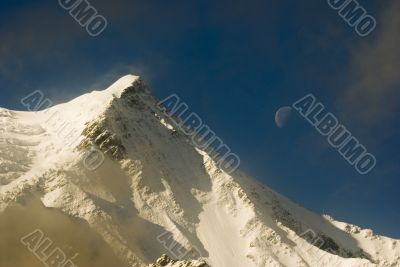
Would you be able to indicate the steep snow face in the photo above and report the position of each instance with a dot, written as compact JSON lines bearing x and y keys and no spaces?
{"x":20,"y":137}
{"x":156,"y":193}
{"x":33,"y":141}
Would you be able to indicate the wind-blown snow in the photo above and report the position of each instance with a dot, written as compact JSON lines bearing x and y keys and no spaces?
{"x":154,"y":181}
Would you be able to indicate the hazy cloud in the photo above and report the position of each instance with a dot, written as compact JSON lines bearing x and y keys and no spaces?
{"x":373,"y":94}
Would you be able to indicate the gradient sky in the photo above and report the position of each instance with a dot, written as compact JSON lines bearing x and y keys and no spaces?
{"x":235,"y":63}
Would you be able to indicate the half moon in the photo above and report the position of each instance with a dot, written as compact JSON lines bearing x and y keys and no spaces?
{"x":282,"y":116}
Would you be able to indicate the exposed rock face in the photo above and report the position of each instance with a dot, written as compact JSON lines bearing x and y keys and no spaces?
{"x":165,"y":261}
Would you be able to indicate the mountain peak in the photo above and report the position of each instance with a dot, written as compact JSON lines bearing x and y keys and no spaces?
{"x":154,"y":192}
{"x":121,"y":84}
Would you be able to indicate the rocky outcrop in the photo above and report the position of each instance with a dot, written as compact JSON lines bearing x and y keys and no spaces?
{"x":166,"y":261}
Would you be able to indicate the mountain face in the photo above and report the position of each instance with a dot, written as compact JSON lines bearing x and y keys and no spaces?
{"x":111,"y":181}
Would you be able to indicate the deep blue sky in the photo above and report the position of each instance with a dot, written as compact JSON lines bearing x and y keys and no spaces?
{"x":235,"y":63}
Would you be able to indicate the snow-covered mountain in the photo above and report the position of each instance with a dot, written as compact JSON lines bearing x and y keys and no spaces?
{"x":155,"y":193}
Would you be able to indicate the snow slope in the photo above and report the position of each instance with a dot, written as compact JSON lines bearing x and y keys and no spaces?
{"x":154,"y":183}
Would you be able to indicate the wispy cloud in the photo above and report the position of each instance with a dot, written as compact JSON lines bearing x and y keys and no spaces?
{"x":373,"y":95}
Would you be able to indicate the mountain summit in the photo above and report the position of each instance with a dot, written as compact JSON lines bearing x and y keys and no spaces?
{"x":111,"y":180}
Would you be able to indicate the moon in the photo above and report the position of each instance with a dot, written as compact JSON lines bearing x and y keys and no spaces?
{"x":282,"y":116}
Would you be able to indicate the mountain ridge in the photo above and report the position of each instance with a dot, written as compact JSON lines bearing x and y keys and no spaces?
{"x":155,"y":183}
